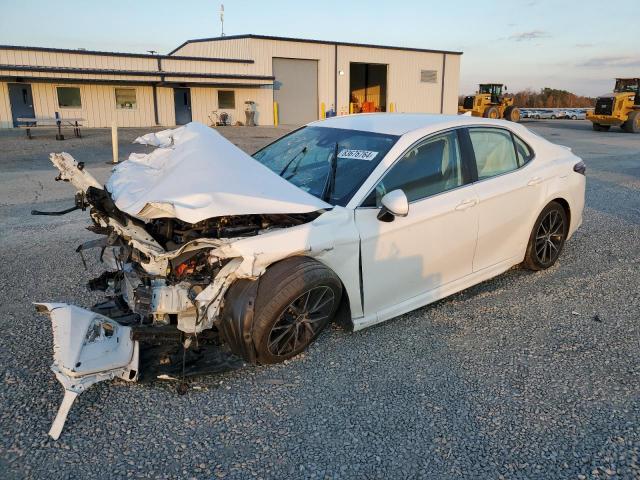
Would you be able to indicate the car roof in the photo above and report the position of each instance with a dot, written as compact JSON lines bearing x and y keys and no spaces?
{"x":400,"y":123}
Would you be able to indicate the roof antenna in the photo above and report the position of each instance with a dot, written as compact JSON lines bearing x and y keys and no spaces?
{"x":222,"y":19}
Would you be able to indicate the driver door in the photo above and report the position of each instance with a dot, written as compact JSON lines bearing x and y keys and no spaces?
{"x":434,"y":244}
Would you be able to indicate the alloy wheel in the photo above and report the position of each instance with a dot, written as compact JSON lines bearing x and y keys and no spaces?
{"x":301,"y":321}
{"x":549,"y":237}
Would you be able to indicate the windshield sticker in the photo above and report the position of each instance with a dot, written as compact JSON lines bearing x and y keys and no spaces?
{"x":367,"y":155}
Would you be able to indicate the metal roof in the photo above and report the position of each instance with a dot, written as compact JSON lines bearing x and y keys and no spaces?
{"x":306,"y":40}
{"x":122,"y":54}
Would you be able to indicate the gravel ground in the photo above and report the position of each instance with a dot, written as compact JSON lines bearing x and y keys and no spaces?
{"x":529,"y":375}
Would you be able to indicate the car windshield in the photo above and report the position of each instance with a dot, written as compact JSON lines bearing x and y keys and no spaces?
{"x":306,"y":157}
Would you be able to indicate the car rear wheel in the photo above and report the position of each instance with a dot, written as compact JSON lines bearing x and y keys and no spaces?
{"x":296,"y":300}
{"x":547,"y":237}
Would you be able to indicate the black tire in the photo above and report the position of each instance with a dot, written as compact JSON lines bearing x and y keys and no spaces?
{"x":553,"y":117}
{"x":287,"y":294}
{"x":491,"y":112}
{"x":512,"y":114}
{"x":547,"y":237}
{"x":632,"y":125}
{"x":601,"y":128}
{"x":574,"y":117}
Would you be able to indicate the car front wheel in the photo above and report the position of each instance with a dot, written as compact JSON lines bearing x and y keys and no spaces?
{"x":295,"y":299}
{"x":547,"y":237}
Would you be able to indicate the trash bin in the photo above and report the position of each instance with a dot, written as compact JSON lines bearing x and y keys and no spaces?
{"x":250,"y":113}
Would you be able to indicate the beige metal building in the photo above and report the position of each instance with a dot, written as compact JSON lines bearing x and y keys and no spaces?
{"x":305,"y":78}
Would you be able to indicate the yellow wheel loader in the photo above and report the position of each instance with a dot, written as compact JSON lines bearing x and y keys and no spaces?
{"x":621,"y":108}
{"x":490,"y":102}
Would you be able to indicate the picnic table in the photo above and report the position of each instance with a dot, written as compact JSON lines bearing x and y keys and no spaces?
{"x":35,"y":122}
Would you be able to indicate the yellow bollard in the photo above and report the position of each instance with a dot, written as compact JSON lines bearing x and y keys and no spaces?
{"x":323,"y":113}
{"x":275,"y":114}
{"x":114,"y":141}
{"x":350,"y":108}
{"x":392,"y":107}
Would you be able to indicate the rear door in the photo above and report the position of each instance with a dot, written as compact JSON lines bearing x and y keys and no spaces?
{"x":509,"y":192}
{"x":21,"y":101}
{"x":434,"y":244}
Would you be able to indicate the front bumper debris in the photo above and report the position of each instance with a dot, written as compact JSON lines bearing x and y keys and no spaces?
{"x":87,"y":348}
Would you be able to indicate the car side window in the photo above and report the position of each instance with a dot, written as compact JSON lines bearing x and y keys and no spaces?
{"x":494,"y":151}
{"x":431,"y":167}
{"x":523,"y":151}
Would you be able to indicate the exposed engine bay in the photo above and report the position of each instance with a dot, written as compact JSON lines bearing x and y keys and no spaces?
{"x":140,"y":293}
{"x":166,"y":275}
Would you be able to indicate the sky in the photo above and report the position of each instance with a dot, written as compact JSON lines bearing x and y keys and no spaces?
{"x":578,"y":46}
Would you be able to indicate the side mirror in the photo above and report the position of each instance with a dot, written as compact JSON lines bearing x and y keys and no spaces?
{"x":394,"y":204}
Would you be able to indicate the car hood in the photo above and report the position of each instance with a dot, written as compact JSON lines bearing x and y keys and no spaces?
{"x":195,"y":174}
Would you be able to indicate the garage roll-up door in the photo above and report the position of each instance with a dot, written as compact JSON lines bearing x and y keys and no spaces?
{"x":296,"y":90}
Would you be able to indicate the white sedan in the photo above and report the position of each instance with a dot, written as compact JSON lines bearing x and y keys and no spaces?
{"x":356,"y":219}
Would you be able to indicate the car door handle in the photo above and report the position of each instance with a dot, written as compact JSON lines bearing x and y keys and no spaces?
{"x":466,"y":204}
{"x":534,"y":181}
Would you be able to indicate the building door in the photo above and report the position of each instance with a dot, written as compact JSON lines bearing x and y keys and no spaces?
{"x":21,"y":102}
{"x":182,"y":100}
{"x":296,"y":90}
{"x":368,"y":87}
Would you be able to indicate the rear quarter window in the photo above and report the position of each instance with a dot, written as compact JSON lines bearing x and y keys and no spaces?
{"x":523,"y":151}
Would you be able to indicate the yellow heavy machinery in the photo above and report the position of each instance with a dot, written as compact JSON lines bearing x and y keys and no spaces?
{"x":490,"y":102}
{"x":622,"y":107}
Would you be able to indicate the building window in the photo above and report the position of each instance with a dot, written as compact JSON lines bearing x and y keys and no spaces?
{"x":226,"y":99}
{"x":69,"y":97}
{"x":126,"y":98}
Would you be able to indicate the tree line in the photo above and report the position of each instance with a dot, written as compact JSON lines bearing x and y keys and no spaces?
{"x":548,"y":98}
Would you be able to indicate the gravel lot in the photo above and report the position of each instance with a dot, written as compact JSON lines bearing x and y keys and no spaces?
{"x":529,"y":375}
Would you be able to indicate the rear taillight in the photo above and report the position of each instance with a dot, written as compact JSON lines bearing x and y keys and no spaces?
{"x":580,"y":167}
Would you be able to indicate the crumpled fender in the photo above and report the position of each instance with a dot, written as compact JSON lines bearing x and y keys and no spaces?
{"x":87,"y":348}
{"x":260,"y":251}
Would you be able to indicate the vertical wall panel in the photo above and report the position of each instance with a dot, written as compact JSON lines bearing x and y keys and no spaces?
{"x":5,"y":107}
{"x":203,"y":101}
{"x":452,"y":84}
{"x":166,"y":110}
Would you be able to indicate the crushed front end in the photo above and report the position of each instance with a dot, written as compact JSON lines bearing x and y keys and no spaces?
{"x":164,"y":281}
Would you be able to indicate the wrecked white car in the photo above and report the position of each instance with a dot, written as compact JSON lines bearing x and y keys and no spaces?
{"x":355,"y":219}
